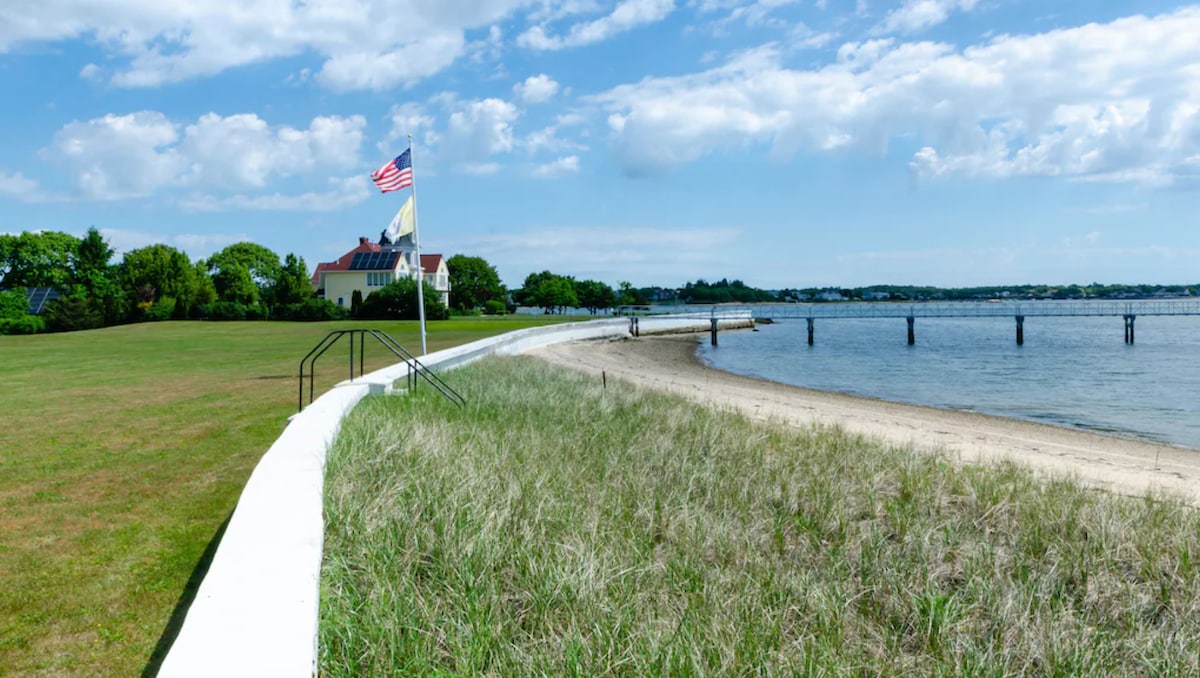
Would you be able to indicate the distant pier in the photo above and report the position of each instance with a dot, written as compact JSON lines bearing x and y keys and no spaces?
{"x":1018,"y":311}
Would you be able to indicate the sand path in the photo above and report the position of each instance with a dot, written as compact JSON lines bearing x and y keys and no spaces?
{"x":1117,"y":464}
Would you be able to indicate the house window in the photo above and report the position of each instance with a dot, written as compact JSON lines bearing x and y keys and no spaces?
{"x":341,"y":301}
{"x":378,"y":278}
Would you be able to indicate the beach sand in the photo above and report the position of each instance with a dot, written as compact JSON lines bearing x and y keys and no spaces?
{"x":1115,"y":464}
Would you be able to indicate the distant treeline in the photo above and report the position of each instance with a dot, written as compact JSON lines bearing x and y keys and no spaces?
{"x":735,"y":291}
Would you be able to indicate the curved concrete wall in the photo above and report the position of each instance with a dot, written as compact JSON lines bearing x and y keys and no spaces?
{"x":256,"y":612}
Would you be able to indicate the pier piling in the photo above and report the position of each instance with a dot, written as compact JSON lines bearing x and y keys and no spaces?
{"x":810,"y":331}
{"x":1020,"y":330}
{"x":912,"y":337}
{"x":1129,"y":318}
{"x":714,"y":331}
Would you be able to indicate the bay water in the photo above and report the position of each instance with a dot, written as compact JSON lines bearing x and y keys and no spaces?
{"x":1074,"y":371}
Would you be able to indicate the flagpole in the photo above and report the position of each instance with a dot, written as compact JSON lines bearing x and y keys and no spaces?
{"x":417,"y":247}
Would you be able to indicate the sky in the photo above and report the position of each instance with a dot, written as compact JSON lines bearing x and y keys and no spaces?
{"x":786,"y":143}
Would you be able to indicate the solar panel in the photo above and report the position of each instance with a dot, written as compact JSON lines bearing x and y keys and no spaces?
{"x":374,"y":261}
{"x":38,"y":297}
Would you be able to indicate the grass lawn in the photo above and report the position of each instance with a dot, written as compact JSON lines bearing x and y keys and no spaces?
{"x":553,"y":527}
{"x":123,"y":451}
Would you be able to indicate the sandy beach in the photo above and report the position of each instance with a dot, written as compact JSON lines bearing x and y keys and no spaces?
{"x":1115,"y":464}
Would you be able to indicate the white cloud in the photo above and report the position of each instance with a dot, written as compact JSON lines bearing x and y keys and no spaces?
{"x":558,"y":168}
{"x":129,"y":156}
{"x":916,"y":15}
{"x":372,"y":44}
{"x":758,"y":13}
{"x":343,"y":193}
{"x":472,"y":133}
{"x":536,"y":89}
{"x":19,"y":187}
{"x":1107,"y":102}
{"x":627,"y":15}
{"x":643,"y":256}
{"x":401,"y":65}
{"x":197,"y":245}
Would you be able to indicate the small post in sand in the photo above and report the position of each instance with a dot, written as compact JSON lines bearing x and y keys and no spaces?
{"x":714,"y":331}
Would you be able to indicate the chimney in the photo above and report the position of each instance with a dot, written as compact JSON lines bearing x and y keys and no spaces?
{"x":362,"y":240}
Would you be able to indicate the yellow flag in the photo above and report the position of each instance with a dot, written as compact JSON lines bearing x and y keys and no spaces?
{"x":403,"y":223}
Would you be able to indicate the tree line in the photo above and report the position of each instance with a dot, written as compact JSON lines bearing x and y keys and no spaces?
{"x":157,"y":282}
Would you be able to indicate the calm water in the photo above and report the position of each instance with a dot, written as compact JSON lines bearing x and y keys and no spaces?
{"x":1071,"y":371}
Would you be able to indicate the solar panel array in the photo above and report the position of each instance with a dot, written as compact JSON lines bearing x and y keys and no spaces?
{"x":38,"y":298}
{"x":374,"y":261}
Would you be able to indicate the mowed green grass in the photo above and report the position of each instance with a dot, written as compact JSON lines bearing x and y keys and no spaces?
{"x":555,"y":527}
{"x":123,"y":451}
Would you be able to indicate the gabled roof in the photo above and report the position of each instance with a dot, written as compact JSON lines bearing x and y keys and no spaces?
{"x":430,"y":262}
{"x":343,"y":262}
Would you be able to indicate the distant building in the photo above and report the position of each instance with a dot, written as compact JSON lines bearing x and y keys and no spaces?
{"x":831,"y":294}
{"x":371,"y":265}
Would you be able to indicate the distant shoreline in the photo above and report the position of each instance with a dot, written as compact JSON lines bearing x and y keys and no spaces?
{"x":1123,"y":465}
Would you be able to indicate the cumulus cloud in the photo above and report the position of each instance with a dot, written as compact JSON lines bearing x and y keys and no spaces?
{"x":536,"y":89}
{"x":372,"y":44}
{"x":917,"y":15}
{"x":642,"y":255}
{"x":129,"y":156}
{"x":19,"y":187}
{"x":197,"y":245}
{"x":558,"y":168}
{"x":627,"y":15}
{"x":465,"y":135}
{"x":343,"y":193}
{"x":1104,"y":102}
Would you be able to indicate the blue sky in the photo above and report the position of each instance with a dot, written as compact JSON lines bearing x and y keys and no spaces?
{"x":789,"y":143}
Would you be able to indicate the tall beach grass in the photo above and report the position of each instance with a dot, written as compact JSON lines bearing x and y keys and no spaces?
{"x":555,"y":527}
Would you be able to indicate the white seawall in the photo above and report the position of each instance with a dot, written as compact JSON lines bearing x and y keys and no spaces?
{"x":256,"y":611}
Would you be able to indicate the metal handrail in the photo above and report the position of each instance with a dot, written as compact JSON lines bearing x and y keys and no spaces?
{"x":416,"y":370}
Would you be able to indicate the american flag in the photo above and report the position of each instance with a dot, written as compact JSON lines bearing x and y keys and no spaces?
{"x":395,"y":175}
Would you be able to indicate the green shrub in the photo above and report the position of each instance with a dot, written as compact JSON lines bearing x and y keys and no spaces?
{"x":69,"y":314}
{"x":356,"y":301}
{"x":494,"y":307}
{"x":227,"y":310}
{"x":162,"y":309}
{"x":27,"y":324}
{"x":398,"y":301}
{"x":311,"y":310}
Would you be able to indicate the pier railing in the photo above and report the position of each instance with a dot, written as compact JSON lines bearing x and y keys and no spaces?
{"x":958,"y":309}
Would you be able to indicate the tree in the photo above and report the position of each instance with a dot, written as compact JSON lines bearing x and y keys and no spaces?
{"x":398,"y":300}
{"x":595,"y":295}
{"x":96,"y":279}
{"x":293,"y":285}
{"x":626,"y":296}
{"x":556,"y":294}
{"x":261,"y":267}
{"x":526,"y":295}
{"x":473,"y":282}
{"x":37,"y":259}
{"x":151,"y":273}
{"x":234,"y":283}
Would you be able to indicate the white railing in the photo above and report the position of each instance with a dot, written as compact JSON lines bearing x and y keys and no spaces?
{"x":257,"y":609}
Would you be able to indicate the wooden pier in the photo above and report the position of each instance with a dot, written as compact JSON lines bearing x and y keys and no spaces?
{"x":1128,"y":311}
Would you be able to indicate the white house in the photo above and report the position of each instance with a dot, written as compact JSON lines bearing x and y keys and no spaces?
{"x":371,"y":265}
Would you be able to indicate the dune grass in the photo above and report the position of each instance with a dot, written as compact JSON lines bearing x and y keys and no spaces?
{"x":122,"y":452}
{"x":553,"y":527}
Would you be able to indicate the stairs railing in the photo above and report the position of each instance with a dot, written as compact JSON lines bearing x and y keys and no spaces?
{"x":417,"y":372}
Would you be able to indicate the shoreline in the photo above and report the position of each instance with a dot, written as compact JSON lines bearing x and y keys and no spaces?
{"x":1119,"y":464}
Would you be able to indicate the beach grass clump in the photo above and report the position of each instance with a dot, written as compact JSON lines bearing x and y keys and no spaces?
{"x":557,"y":527}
